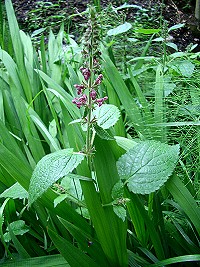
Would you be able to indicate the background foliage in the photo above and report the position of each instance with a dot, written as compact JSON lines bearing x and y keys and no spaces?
{"x":89,"y":210}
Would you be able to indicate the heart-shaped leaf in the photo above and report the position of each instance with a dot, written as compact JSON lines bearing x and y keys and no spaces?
{"x":51,"y":168}
{"x":147,"y":166}
{"x":107,"y":115}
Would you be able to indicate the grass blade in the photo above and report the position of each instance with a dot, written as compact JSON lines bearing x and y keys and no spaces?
{"x":185,"y":200}
{"x":44,"y":261}
{"x":74,"y":256}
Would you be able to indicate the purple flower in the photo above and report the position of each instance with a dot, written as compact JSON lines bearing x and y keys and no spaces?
{"x":80,"y":101}
{"x":101,"y":100}
{"x":99,"y":79}
{"x":75,"y":100}
{"x":86,"y":73}
{"x":80,"y":88}
{"x":79,"y":104}
{"x":93,"y":94}
{"x":83,"y":99}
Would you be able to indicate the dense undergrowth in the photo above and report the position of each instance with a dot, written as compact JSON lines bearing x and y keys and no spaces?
{"x":99,"y":154}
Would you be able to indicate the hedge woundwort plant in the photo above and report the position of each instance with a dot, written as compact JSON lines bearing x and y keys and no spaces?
{"x":88,"y":90}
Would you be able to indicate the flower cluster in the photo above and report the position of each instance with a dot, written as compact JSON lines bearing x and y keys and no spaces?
{"x":80,"y":101}
{"x":83,"y":99}
{"x":87,"y":91}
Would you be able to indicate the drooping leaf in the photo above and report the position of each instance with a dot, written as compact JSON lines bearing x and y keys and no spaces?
{"x":107,"y":115}
{"x":120,"y":29}
{"x":15,"y":191}
{"x":18,"y":228}
{"x":120,"y":212}
{"x":147,"y":166}
{"x":51,"y":168}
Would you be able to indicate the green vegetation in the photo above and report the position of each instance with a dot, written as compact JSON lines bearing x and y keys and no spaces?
{"x":99,"y":155}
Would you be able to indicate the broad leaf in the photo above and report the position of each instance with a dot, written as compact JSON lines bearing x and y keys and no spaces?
{"x":51,"y":168}
{"x":147,"y":166}
{"x":120,"y":29}
{"x":186,"y":68}
{"x":15,"y":191}
{"x":107,"y":115}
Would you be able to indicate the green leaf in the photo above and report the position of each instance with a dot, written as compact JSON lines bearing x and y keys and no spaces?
{"x":186,"y":68}
{"x":86,"y":242}
{"x":118,"y":190}
{"x":147,"y":31}
{"x":59,"y":199}
{"x":44,"y":261}
{"x":50,"y":168}
{"x":37,"y":32}
{"x":168,"y":86}
{"x":120,"y":29}
{"x":172,"y":45}
{"x":103,"y":134}
{"x":180,"y":259}
{"x":125,"y":143}
{"x":15,"y":191}
{"x":72,"y":186}
{"x":74,"y":256}
{"x":184,"y":198}
{"x":125,"y":5}
{"x":18,"y":228}
{"x":18,"y":246}
{"x":147,"y":166}
{"x":107,"y":115}
{"x":175,"y":27}
{"x":120,"y":212}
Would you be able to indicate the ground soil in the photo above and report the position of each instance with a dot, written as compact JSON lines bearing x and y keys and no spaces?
{"x":174,"y":12}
